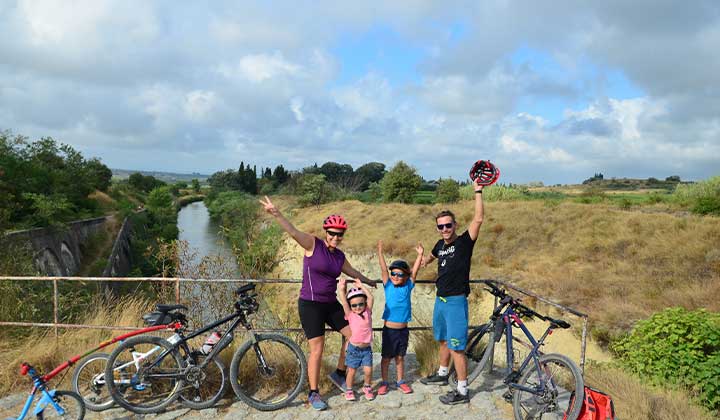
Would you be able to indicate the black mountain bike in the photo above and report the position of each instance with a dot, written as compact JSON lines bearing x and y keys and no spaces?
{"x":541,"y":390}
{"x":149,"y":373}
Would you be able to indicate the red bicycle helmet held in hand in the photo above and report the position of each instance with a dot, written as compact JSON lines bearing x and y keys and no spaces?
{"x":335,"y":221}
{"x":484,"y":172}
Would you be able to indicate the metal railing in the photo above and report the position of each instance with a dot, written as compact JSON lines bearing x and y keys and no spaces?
{"x":176,"y":281}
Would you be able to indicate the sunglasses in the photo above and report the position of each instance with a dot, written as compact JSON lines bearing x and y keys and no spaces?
{"x":333,"y":233}
{"x":399,"y":274}
{"x":442,"y":226}
{"x":357,"y":305}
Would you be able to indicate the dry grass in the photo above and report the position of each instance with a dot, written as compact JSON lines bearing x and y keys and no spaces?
{"x":44,"y":352}
{"x":618,"y":266}
{"x":635,"y":400}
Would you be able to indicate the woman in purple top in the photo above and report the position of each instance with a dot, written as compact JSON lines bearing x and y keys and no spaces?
{"x":318,"y":305}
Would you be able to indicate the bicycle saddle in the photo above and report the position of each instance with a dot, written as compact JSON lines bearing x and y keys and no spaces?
{"x":248,"y":287}
{"x":167,"y":308}
{"x":558,"y":323}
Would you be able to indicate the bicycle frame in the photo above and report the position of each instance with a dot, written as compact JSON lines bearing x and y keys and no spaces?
{"x":106,"y":343}
{"x":47,"y":396}
{"x":238,"y":317}
{"x":509,"y":317}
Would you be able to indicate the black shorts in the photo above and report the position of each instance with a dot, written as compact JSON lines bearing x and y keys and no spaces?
{"x":314,"y":316}
{"x":394,"y":341}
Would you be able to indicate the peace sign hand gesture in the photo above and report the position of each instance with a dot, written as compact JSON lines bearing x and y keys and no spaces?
{"x":269,"y":207}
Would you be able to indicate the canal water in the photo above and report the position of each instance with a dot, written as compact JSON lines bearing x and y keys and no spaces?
{"x":203,"y":236}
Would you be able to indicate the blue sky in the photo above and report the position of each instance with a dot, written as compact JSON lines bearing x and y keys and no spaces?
{"x":551,"y":92}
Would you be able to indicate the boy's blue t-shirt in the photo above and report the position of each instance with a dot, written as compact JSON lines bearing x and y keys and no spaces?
{"x":397,"y":301}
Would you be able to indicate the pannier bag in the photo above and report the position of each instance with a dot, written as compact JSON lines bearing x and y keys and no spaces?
{"x":157,"y":318}
{"x":596,"y":405}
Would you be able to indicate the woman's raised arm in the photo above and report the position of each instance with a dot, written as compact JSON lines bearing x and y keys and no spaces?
{"x":306,"y":240}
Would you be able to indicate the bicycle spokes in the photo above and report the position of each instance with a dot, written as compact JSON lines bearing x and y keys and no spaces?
{"x":269,"y":372}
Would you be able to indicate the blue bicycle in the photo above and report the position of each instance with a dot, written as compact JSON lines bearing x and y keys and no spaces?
{"x":52,"y":404}
{"x":541,"y":387}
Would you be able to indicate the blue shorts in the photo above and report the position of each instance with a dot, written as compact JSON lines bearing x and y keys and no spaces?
{"x":394,"y":341}
{"x":450,"y":321}
{"x":358,"y":356}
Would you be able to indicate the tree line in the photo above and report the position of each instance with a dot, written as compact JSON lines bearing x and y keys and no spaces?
{"x":318,"y":184}
{"x":45,"y":182}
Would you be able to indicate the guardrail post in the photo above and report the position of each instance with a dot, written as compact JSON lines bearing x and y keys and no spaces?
{"x":177,"y":290}
{"x":55,"y":306}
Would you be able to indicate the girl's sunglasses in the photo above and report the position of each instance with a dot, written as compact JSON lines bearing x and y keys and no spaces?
{"x":357,"y":305}
{"x":398,"y":274}
{"x":332,"y":233}
{"x":442,"y":226}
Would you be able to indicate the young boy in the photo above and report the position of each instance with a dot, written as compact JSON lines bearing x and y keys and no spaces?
{"x":358,"y":303}
{"x":398,"y":282}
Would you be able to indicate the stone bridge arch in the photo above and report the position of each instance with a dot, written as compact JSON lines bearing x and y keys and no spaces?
{"x":68,"y":258}
{"x":49,"y":263}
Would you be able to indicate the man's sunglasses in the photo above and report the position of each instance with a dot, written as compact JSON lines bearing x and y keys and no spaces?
{"x":357,"y":305}
{"x":442,"y":226}
{"x":333,"y":233}
{"x":398,"y":274}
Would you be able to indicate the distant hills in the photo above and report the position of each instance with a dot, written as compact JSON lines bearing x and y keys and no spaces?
{"x":169,"y":177}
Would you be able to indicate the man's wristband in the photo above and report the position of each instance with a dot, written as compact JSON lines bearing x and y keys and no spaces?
{"x":478,"y":192}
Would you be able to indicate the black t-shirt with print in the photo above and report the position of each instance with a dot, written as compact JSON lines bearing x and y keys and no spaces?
{"x":454,"y":265}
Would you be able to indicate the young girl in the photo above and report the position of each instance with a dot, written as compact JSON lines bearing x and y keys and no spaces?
{"x":397,"y":314}
{"x":358,"y":303}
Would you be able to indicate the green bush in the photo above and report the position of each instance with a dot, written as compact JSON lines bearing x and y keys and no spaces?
{"x":701,"y":197}
{"x":400,"y":183}
{"x":314,"y":190}
{"x":679,"y":347}
{"x":448,"y":191}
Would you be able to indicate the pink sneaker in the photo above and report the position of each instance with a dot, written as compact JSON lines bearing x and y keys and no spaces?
{"x":349,"y":395}
{"x":405,"y":388}
{"x":367,"y":390}
{"x":383,"y":388}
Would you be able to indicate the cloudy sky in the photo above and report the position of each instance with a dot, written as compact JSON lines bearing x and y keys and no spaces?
{"x":551,"y":91}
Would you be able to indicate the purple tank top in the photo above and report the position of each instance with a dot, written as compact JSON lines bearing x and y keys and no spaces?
{"x":320,"y":273}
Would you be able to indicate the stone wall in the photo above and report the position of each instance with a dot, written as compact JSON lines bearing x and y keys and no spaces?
{"x":58,"y":250}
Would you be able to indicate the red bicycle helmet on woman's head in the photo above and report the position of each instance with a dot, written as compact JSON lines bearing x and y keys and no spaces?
{"x":335,"y":221}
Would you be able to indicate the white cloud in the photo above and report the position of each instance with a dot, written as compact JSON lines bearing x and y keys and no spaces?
{"x":260,"y":67}
{"x":275,"y":83}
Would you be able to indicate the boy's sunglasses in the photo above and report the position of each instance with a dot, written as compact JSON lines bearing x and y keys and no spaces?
{"x":357,"y":305}
{"x":332,"y":233}
{"x":398,"y":274}
{"x":442,"y":226}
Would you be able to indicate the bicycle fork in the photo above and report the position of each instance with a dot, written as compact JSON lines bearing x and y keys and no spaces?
{"x":263,"y":366}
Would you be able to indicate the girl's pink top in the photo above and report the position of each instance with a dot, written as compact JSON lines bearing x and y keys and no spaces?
{"x":360,"y":327}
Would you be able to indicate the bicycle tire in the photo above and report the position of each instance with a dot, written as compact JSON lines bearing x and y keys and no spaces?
{"x":206,"y":392}
{"x":127,"y":399}
{"x":292,"y":369}
{"x":552,"y":398}
{"x":70,"y":401}
{"x":479,"y":350}
{"x":89,"y":383}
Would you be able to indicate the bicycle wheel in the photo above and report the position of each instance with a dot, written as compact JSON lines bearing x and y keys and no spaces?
{"x":70,"y":402}
{"x":268,"y":373}
{"x":141,"y":382}
{"x":554,"y":383}
{"x":479,"y":350}
{"x":88,"y":381}
{"x":203,"y":388}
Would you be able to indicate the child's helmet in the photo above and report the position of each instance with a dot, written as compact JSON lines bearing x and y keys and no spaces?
{"x":402,"y":265}
{"x":335,"y":221}
{"x":355,"y":292}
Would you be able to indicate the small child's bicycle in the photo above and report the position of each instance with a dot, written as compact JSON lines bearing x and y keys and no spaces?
{"x":51,"y":403}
